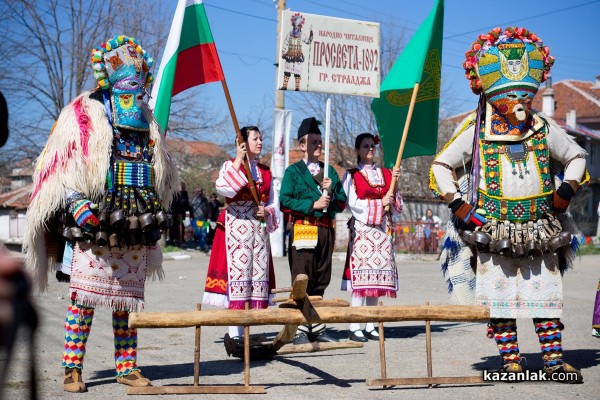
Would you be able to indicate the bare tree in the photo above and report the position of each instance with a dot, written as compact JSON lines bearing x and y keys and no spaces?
{"x":49,"y":44}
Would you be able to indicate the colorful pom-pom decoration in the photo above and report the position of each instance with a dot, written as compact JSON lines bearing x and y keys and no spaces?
{"x":494,"y":37}
{"x":98,"y":62}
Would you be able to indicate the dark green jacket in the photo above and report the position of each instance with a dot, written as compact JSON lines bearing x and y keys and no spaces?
{"x":299,"y":191}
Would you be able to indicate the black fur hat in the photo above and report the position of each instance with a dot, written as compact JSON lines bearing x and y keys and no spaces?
{"x":309,"y":125}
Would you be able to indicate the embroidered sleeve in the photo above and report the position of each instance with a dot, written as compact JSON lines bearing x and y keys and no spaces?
{"x":272,"y":211}
{"x":359,"y":208}
{"x":455,"y":154}
{"x":230,"y":181}
{"x":376,"y":211}
{"x":398,"y":204}
{"x":564,"y":149}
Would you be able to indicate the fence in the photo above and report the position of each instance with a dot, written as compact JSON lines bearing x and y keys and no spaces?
{"x":417,"y":237}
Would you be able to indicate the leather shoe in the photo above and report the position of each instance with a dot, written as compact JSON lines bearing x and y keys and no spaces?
{"x":73,"y":382}
{"x":135,"y":379}
{"x":373,"y":335}
{"x":323,"y":337}
{"x":356,"y":338}
{"x":301,"y":338}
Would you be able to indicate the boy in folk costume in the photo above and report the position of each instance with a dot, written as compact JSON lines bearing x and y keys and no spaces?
{"x":370,"y":271}
{"x":102,"y":183}
{"x":312,"y":201}
{"x":514,"y":217}
{"x":292,"y":51}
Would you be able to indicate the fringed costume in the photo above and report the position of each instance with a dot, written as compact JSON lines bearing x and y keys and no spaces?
{"x":514,"y":239}
{"x":102,"y":184}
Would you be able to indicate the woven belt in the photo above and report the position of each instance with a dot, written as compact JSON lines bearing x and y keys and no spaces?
{"x":516,"y":210}
{"x":324,"y":222}
{"x":133,"y":174}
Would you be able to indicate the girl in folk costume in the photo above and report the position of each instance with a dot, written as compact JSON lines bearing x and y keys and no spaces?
{"x":102,"y":184}
{"x":370,"y":271}
{"x":240,"y":270}
{"x":511,"y":218}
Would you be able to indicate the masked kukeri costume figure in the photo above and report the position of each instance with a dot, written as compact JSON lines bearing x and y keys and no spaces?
{"x":510,"y":206}
{"x":102,"y":184}
{"x":292,"y":51}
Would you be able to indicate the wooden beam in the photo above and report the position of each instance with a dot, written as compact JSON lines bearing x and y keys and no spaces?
{"x":288,"y":299}
{"x":290,"y":303}
{"x":436,"y":380}
{"x":290,"y":316}
{"x":197,"y":390}
{"x":316,"y":347}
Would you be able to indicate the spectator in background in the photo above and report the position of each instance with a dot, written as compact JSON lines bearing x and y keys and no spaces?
{"x":200,"y":212}
{"x":179,"y":207}
{"x":431,"y":225}
{"x":214,"y":206}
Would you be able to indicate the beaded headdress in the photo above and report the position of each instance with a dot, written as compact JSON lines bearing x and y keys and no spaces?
{"x":121,"y":57}
{"x":507,"y":58}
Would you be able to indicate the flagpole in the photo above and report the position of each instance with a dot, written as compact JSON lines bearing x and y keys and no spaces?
{"x":411,"y":108}
{"x":240,"y":139}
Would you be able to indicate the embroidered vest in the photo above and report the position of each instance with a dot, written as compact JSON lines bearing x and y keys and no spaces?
{"x":263,"y":188}
{"x":493,"y":201}
{"x":367,"y":190}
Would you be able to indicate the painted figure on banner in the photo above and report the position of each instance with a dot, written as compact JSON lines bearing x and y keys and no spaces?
{"x":370,"y":271}
{"x":292,"y":51}
{"x":311,"y":201}
{"x":101,"y":188}
{"x":240,"y":270}
{"x":510,"y":207}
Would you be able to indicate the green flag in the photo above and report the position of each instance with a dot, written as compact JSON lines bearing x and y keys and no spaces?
{"x":420,"y":62}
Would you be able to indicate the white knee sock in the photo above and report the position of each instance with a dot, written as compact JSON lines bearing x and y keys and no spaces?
{"x":236,"y":331}
{"x":356,"y":301}
{"x":370,"y":301}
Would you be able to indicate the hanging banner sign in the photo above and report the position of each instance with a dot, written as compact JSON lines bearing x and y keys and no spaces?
{"x":328,"y":55}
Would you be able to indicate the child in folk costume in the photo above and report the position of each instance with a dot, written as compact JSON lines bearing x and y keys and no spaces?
{"x":240,"y":270}
{"x":514,"y":219}
{"x":102,"y":184}
{"x":370,"y":271}
{"x":312,"y":202}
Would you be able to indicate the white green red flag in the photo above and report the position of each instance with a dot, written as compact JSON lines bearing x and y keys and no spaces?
{"x":190,"y":58}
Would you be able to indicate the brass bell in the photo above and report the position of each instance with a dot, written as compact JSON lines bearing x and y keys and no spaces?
{"x":503,"y":247}
{"x":545,"y":247}
{"x":67,"y":234}
{"x":146,"y":221}
{"x":103,"y":217}
{"x":117,"y":220}
{"x":101,"y":238}
{"x":77,"y":233}
{"x":518,"y":250}
{"x":469,"y":237}
{"x":482,"y":241}
{"x":531,"y":247}
{"x":161,"y":219}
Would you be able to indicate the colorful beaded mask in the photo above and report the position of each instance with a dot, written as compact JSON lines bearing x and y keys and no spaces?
{"x":122,"y":67}
{"x":508,"y":66}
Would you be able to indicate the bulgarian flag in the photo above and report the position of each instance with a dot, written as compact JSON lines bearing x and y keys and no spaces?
{"x":190,"y":58}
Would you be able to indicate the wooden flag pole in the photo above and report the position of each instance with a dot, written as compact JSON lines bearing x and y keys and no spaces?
{"x":411,"y":108}
{"x":240,"y":139}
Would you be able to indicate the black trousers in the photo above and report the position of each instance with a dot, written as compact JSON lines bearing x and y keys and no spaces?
{"x":316,"y":263}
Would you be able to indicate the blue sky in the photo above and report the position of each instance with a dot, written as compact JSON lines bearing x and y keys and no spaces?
{"x":245,"y":35}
